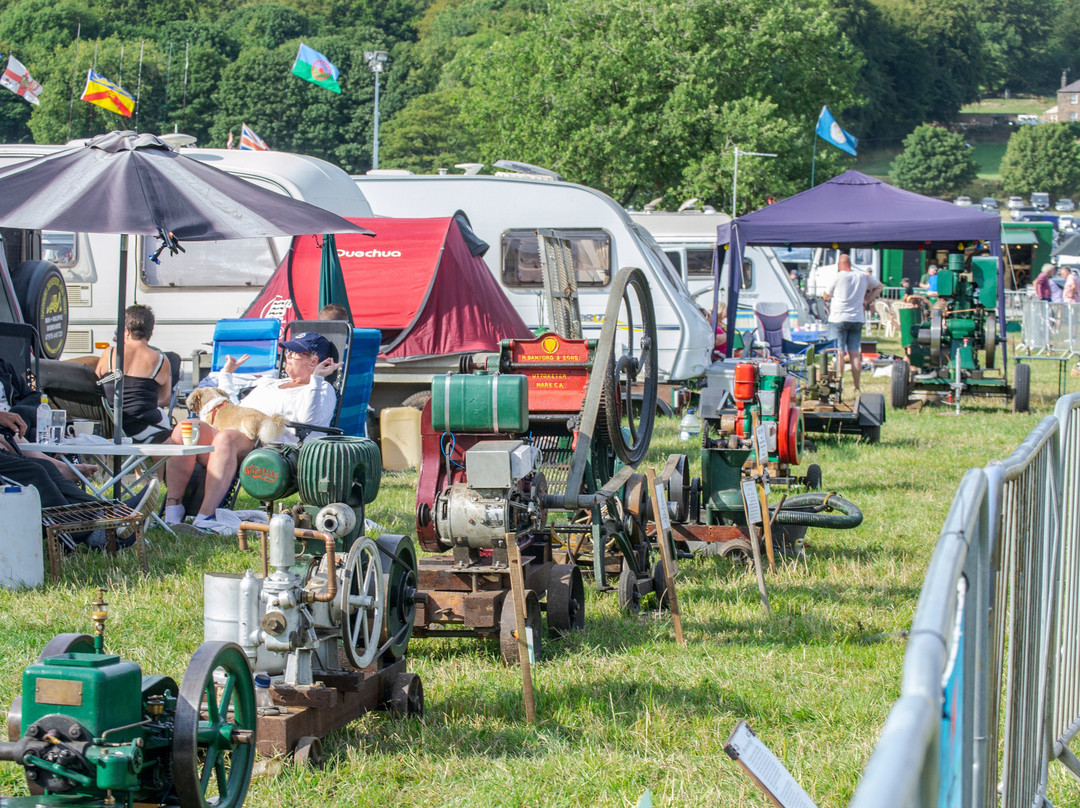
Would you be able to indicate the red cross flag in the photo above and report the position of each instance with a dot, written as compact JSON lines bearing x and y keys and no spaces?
{"x":17,"y":79}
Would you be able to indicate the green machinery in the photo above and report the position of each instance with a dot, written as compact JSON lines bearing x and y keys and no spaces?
{"x":951,"y":343}
{"x":327,"y":624}
{"x":91,"y":729}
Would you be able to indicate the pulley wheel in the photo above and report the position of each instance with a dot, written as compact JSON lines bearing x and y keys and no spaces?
{"x":214,"y":735}
{"x":508,"y":643}
{"x":565,"y":600}
{"x":629,"y":596}
{"x":361,"y":603}
{"x":398,"y":556}
{"x":659,"y":582}
{"x":937,"y":328}
{"x":633,"y":360}
{"x":990,"y":334}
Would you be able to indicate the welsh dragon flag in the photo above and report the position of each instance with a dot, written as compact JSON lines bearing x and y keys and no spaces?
{"x":17,"y":79}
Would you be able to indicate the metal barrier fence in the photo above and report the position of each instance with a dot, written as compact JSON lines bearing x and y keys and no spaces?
{"x":1050,"y":328}
{"x":990,"y":694}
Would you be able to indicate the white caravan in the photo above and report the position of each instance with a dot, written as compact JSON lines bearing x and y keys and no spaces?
{"x":506,"y":211}
{"x":689,"y":240}
{"x":191,"y":291}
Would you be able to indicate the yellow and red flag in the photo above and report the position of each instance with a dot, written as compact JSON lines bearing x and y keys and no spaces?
{"x":99,"y":90}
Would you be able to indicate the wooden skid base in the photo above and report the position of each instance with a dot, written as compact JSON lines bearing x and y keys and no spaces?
{"x":469,"y":597}
{"x":318,"y":711}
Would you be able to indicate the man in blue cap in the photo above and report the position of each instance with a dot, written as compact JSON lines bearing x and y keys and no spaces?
{"x":301,"y":395}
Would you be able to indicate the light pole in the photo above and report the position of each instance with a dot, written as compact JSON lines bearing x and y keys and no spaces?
{"x":735,"y":181}
{"x":376,"y":60}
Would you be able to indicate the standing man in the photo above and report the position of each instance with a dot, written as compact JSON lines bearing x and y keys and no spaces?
{"x":848,"y":296}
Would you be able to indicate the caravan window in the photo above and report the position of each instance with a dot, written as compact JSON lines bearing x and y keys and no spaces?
{"x":236,"y":262}
{"x":699,"y":263}
{"x":59,"y":248}
{"x":521,"y":257}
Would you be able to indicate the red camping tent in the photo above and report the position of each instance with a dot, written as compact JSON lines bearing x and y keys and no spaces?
{"x":415,"y":280}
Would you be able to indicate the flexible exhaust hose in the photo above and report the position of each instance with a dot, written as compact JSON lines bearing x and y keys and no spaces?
{"x":812,"y":509}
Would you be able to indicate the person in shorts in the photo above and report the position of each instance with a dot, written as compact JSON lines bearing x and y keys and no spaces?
{"x":848,"y":297}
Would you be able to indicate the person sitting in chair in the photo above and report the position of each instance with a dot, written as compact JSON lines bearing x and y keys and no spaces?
{"x":147,"y":376}
{"x":302,"y":395}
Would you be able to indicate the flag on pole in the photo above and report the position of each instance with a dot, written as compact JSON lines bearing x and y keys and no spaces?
{"x":249,"y":141}
{"x":312,"y":66}
{"x":99,"y":90}
{"x":17,"y":79}
{"x":829,"y":130}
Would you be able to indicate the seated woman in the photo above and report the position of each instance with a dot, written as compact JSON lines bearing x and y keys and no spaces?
{"x":303,"y":395}
{"x":147,"y":377}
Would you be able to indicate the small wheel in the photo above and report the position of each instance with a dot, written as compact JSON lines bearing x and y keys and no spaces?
{"x":308,"y":752}
{"x":813,"y":477}
{"x":659,"y":582}
{"x":737,"y":551}
{"x":899,"y":387}
{"x":361,"y":602}
{"x":508,"y":643}
{"x":871,"y":434}
{"x":398,"y":556}
{"x":214,"y":735}
{"x":407,"y":696}
{"x":629,"y":595}
{"x":1021,"y":387}
{"x":565,"y":600}
{"x":417,"y":400}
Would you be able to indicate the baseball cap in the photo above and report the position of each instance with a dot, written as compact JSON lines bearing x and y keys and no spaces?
{"x":309,"y":343}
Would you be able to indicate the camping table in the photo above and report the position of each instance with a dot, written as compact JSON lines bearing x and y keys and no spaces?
{"x":1061,"y":367}
{"x":142,"y":459}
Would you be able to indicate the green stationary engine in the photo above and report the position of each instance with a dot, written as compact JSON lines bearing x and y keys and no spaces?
{"x":951,"y":342}
{"x":91,"y":729}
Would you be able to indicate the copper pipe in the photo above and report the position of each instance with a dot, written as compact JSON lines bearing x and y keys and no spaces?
{"x":299,"y":533}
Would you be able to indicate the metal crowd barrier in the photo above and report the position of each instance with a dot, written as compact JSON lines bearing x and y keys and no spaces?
{"x":1050,"y":328}
{"x":990,"y":694}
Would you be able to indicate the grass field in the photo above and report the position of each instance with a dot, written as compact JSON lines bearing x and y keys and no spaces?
{"x":621,"y":707}
{"x":1010,"y":106}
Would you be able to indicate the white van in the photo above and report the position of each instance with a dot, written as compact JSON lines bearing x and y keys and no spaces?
{"x":689,"y":240}
{"x":191,"y":291}
{"x":506,"y":211}
{"x":823,"y":267}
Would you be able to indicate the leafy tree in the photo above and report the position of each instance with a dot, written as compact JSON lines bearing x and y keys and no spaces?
{"x":934,"y":162}
{"x":627,"y":96}
{"x":428,"y":134}
{"x":1041,"y":158}
{"x":266,"y":25}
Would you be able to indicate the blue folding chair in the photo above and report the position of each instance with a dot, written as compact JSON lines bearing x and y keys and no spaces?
{"x":359,"y":380}
{"x":258,"y":338}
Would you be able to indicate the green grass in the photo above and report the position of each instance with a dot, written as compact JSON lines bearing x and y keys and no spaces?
{"x":988,"y":157}
{"x":621,"y":707}
{"x":1010,"y":106}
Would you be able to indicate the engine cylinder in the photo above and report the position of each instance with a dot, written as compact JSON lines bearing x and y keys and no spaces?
{"x":466,"y":513}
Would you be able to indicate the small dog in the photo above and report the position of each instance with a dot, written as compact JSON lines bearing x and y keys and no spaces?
{"x":213,"y":407}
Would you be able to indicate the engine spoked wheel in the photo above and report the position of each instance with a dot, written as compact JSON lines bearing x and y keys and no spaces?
{"x":362,"y":602}
{"x":214,"y":738}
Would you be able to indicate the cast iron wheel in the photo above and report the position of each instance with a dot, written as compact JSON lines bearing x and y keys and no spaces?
{"x":871,"y":434}
{"x":813,"y":477}
{"x":1021,"y":387}
{"x":407,"y":696}
{"x":635,"y":364}
{"x":659,"y":583}
{"x":899,"y":386}
{"x":508,"y":644}
{"x":308,"y":752}
{"x":417,"y":400}
{"x":629,"y":595}
{"x":361,"y":602}
{"x":565,"y":600}
{"x":737,"y":551}
{"x":214,"y":737}
{"x":398,"y":556}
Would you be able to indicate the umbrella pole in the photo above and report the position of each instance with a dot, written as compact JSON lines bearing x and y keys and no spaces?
{"x":118,"y":394}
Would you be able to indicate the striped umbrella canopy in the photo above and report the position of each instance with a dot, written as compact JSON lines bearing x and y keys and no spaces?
{"x":136,"y":184}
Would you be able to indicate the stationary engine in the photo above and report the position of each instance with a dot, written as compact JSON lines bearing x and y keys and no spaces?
{"x":92,"y":729}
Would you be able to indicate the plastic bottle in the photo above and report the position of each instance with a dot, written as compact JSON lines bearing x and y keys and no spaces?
{"x":44,"y":419}
{"x":690,"y":425}
{"x":264,"y":702}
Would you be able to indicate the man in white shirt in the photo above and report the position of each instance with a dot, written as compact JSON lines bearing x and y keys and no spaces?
{"x":848,"y":296}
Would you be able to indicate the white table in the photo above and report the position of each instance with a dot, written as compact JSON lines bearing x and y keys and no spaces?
{"x":142,"y":459}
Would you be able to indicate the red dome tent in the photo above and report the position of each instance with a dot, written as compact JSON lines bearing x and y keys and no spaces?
{"x":416,"y":281}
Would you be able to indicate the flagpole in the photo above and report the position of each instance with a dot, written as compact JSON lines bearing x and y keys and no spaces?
{"x":183,"y":95}
{"x":813,"y":160}
{"x":138,"y":88}
{"x":74,"y":78}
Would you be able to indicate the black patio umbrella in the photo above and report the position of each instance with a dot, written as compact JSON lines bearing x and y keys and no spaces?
{"x":136,"y":184}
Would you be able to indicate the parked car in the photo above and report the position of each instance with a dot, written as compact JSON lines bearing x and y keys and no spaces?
{"x":1021,"y":213}
{"x":989,"y":204}
{"x":1065,"y":205}
{"x":1015,"y":202}
{"x":963,"y":201}
{"x":1040,"y":200}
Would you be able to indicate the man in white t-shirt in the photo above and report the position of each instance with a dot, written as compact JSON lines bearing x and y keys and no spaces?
{"x":848,"y":296}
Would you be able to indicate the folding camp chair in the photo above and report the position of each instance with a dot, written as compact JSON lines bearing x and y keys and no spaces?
{"x":19,"y":348}
{"x":256,"y":337}
{"x":772,"y":326}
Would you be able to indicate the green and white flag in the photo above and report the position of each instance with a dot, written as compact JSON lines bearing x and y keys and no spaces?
{"x":312,"y":66}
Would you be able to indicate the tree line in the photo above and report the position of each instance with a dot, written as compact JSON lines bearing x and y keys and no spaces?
{"x":640,"y":98}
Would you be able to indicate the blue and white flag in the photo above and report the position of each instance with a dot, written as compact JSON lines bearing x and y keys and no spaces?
{"x":828,"y":129}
